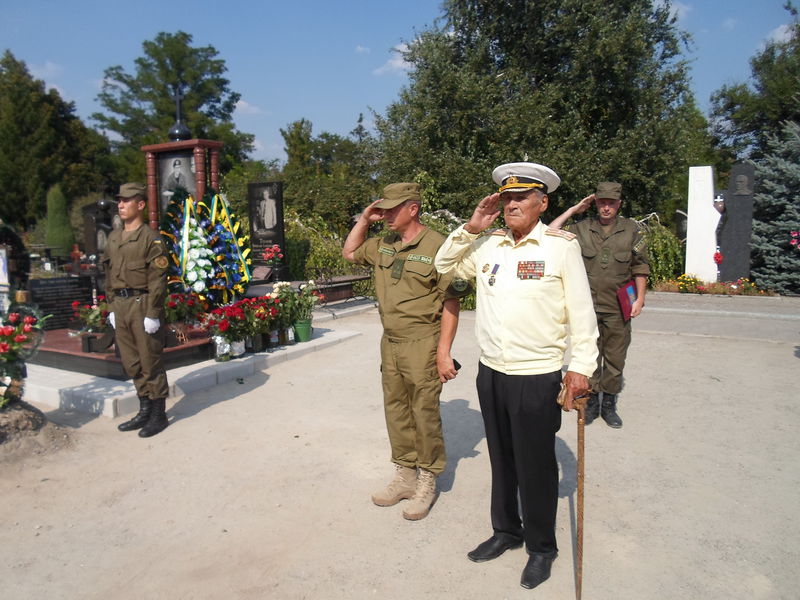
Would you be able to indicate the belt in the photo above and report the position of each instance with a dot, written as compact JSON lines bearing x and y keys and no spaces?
{"x":129,"y":292}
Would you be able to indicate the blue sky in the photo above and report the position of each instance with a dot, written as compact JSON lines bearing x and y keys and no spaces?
{"x":323,"y":61}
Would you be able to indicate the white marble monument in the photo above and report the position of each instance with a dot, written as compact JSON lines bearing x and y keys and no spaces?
{"x":702,"y":221}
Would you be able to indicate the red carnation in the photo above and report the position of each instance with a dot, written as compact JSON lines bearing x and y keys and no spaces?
{"x":29,"y":320}
{"x":20,"y":338}
{"x":3,"y":347}
{"x":13,"y":317}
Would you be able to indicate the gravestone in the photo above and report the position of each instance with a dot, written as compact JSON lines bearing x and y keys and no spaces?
{"x":701,"y":225}
{"x":737,"y":224}
{"x":265,"y":210}
{"x":54,"y":296}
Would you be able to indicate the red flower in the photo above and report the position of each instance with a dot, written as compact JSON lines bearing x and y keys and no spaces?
{"x":718,"y":257}
{"x":29,"y":320}
{"x":3,"y":347}
{"x":171,"y":304}
{"x":224,"y":326}
{"x":20,"y":338}
{"x":13,"y":317}
{"x":7,"y":330}
{"x":101,"y":298}
{"x":27,"y":328}
{"x":75,"y":304}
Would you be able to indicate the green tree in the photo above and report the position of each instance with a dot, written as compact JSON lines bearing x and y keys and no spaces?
{"x":597,"y":90}
{"x":746,"y":115}
{"x":59,"y":234}
{"x":42,"y":142}
{"x":775,"y":261}
{"x":329,"y":176}
{"x":140,"y":108}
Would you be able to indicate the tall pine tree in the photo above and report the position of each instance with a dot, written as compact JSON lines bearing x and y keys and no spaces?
{"x":776,"y":214}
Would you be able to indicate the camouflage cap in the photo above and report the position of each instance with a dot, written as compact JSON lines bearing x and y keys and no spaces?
{"x":130,"y":190}
{"x":609,"y":189}
{"x":397,"y":193}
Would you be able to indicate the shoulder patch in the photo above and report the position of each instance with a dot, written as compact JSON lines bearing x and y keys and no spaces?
{"x":560,"y":233}
{"x":161,"y":262}
{"x":460,"y":284}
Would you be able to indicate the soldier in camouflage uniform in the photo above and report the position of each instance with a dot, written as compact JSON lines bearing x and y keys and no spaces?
{"x":614,"y":252}
{"x":419,"y":312}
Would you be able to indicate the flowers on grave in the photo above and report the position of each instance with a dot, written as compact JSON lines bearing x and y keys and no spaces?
{"x":718,"y":257}
{"x":272,"y":255}
{"x":246,"y":318}
{"x":197,"y":261}
{"x":286,"y":299}
{"x":21,"y":333}
{"x":93,"y":317}
{"x":306,"y":299}
{"x":184,"y":307}
{"x":261,"y":314}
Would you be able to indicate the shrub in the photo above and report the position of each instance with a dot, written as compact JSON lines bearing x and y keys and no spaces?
{"x":665,"y":251}
{"x":59,"y":232}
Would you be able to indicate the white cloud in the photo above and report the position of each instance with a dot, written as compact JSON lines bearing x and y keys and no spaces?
{"x":780,"y":34}
{"x":362,"y":49}
{"x":245,"y":108}
{"x":396,"y":64}
{"x":729,"y":24}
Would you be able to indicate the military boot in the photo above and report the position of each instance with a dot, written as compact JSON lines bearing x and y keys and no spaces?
{"x":592,"y":409}
{"x":139,"y":420}
{"x":424,"y":496}
{"x":608,"y":411}
{"x":158,"y":419}
{"x":401,"y":487}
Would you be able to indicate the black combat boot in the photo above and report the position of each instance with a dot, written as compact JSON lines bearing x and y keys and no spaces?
{"x":137,"y":422}
{"x":608,"y":411}
{"x":592,"y":409}
{"x":158,"y":419}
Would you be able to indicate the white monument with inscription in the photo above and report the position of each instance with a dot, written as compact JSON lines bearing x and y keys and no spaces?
{"x":701,"y":225}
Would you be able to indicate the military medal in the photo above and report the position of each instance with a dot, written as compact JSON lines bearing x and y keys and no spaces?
{"x":494,"y":271}
{"x":485,"y":267}
{"x":530,"y":269}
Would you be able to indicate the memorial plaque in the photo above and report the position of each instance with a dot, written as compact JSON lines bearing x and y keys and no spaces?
{"x":54,"y":296}
{"x":737,"y":224}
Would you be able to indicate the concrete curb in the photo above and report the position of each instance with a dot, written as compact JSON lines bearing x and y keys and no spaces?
{"x":63,"y":390}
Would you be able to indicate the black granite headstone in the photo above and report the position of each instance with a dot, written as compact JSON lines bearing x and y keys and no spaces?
{"x":265,"y":208}
{"x":737,"y":224}
{"x":54,"y":296}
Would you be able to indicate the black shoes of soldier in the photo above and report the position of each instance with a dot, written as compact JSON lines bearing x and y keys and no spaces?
{"x":141,"y":418}
{"x":608,"y":411}
{"x":536,"y":571}
{"x":592,"y":409}
{"x":157,"y":421}
{"x":492,"y":548}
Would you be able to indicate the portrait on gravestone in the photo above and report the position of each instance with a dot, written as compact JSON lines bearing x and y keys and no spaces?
{"x":265,"y":210}
{"x":175,"y":170}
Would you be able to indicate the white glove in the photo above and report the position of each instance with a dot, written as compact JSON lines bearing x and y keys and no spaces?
{"x":112,"y":321}
{"x":151,"y":325}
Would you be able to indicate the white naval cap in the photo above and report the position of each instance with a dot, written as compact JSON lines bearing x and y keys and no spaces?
{"x":523,"y":176}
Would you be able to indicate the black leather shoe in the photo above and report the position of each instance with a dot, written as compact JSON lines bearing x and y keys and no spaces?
{"x":536,"y":571}
{"x":492,"y":548}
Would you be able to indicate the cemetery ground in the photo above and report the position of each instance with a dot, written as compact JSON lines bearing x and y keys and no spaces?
{"x":261,"y":489}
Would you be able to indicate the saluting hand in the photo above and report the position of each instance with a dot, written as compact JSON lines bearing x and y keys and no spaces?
{"x":373,"y":214}
{"x":583,"y":205}
{"x":484,"y":215}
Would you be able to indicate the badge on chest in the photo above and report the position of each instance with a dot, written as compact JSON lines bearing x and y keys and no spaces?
{"x":530,"y":269}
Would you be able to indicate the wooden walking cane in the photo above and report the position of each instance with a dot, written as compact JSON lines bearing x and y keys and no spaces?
{"x":580,"y":405}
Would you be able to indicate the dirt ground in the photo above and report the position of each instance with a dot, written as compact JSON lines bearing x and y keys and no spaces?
{"x":262,"y":489}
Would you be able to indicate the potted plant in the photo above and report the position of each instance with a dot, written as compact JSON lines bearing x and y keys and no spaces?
{"x":306,"y":299}
{"x":260,"y":314}
{"x":286,"y":301}
{"x":93,"y":317}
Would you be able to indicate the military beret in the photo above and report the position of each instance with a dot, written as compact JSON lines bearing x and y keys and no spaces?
{"x":397,"y":193}
{"x":524,"y":176}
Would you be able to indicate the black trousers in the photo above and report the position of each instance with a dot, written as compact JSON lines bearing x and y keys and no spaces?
{"x":521,"y":418}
